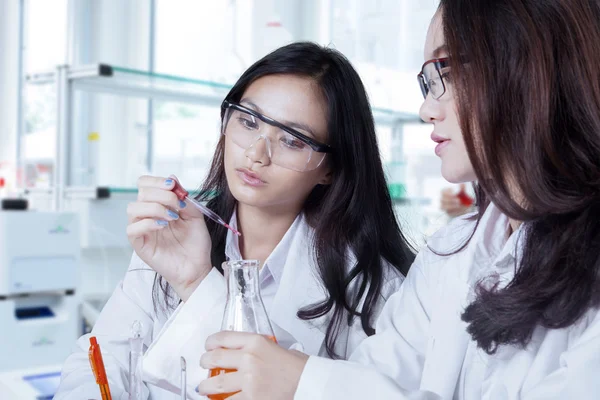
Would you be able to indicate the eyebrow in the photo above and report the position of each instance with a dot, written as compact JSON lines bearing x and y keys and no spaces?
{"x":295,"y":125}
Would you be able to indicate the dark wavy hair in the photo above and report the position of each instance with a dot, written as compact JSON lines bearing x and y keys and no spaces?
{"x":353,"y":214}
{"x":527,"y":86}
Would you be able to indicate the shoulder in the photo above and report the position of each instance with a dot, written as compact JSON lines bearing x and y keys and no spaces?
{"x":453,"y":236}
{"x":443,"y":247}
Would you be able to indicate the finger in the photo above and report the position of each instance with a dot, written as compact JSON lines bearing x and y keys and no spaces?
{"x":176,"y":182}
{"x":145,"y":227}
{"x":222,"y":358}
{"x":187,"y":208}
{"x":156,"y":193}
{"x":232,"y":340}
{"x":139,"y":210}
{"x":230,"y":382}
{"x":462,"y":187}
{"x":164,"y":197}
{"x":159,"y":183}
{"x":450,"y":202}
{"x":156,"y":182}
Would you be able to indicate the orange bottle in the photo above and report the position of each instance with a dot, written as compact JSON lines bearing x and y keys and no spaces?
{"x":464,"y":198}
{"x":244,"y":310}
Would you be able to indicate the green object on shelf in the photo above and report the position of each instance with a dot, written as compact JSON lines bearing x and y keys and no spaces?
{"x":397,"y":190}
{"x":123,"y":190}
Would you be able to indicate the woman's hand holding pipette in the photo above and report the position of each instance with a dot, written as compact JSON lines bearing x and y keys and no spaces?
{"x":168,"y":236}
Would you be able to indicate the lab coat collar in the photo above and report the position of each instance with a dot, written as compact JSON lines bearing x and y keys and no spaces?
{"x":232,"y":243}
{"x":495,"y":255}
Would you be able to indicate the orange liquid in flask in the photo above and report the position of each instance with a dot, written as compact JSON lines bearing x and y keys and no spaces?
{"x":219,"y":371}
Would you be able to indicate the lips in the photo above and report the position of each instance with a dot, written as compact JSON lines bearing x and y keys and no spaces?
{"x":442,"y":143}
{"x":438,"y":139}
{"x":249,"y":177}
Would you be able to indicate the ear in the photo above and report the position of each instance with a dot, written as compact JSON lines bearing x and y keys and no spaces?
{"x":326,"y":178}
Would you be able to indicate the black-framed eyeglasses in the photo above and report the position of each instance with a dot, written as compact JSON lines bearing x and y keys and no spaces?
{"x":432,"y":77}
{"x":315,"y":145}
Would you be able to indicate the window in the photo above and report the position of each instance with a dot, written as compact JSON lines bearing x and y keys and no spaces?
{"x":45,"y":45}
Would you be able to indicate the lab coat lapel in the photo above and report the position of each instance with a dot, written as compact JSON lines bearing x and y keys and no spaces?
{"x":450,"y":339}
{"x":300,"y":287}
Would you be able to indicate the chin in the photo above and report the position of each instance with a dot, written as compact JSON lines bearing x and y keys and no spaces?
{"x":462,"y":174}
{"x":247,"y":195}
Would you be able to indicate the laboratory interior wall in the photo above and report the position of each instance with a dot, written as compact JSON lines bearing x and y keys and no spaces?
{"x":115,"y":137}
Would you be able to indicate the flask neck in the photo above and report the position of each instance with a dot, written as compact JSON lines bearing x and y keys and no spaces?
{"x":242,"y":279}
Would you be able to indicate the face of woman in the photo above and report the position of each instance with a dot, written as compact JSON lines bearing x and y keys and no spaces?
{"x":442,"y":112}
{"x":252,"y":176}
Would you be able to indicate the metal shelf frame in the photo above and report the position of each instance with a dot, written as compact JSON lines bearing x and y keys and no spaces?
{"x":108,"y":79}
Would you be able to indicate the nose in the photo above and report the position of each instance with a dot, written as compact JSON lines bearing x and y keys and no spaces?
{"x":431,"y":110}
{"x":260,"y":151}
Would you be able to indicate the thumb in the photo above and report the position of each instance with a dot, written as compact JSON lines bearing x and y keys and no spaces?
{"x":297,"y":352}
{"x":189,"y":210}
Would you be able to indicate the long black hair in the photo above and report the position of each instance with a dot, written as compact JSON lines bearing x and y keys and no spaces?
{"x":352,"y":214}
{"x":528,"y":90}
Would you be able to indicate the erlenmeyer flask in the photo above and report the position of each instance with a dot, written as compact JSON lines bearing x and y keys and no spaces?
{"x":244,"y":310}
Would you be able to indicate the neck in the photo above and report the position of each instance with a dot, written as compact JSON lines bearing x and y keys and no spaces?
{"x":514,"y":225}
{"x":262,"y":230}
{"x":516,"y":195}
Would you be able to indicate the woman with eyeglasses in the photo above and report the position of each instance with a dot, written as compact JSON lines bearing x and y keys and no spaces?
{"x":298,"y":172}
{"x":502,"y":304}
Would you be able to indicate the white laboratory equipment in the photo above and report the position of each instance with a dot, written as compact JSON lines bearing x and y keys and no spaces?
{"x":39,"y":257}
{"x":39,"y":383}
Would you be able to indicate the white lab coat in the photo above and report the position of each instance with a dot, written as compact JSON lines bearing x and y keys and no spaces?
{"x":422,"y":350}
{"x":289,"y":282}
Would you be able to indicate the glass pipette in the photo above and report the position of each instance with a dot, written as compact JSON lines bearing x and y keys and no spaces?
{"x":183,"y":195}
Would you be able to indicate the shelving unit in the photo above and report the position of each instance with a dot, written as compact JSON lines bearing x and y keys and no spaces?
{"x":115,"y":80}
